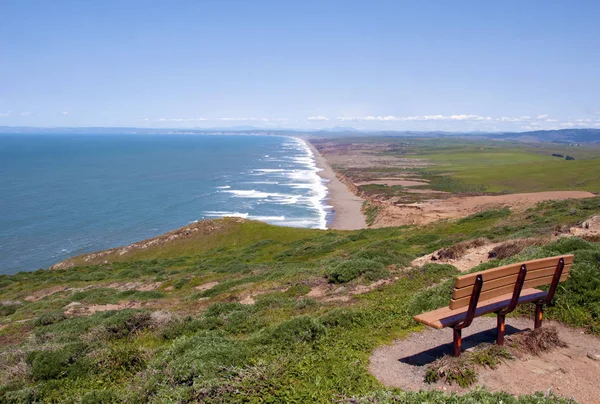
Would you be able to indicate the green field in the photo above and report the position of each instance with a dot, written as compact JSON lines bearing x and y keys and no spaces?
{"x":182,"y":344}
{"x":498,"y":169}
{"x":471,"y":165}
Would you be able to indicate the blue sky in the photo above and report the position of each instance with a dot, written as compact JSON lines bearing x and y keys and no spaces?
{"x":416,"y":65}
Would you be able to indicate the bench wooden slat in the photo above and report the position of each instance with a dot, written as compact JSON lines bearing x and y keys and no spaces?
{"x":508,"y":280}
{"x":513,"y":269}
{"x":446,"y":317}
{"x":464,"y":301}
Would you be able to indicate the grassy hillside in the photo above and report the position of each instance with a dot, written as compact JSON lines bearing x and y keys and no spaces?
{"x":233,"y":315}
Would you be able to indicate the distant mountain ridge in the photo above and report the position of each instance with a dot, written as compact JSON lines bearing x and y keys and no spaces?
{"x":559,"y":135}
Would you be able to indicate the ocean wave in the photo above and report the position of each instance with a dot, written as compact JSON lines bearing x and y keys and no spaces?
{"x":269,"y":170}
{"x":224,"y":187}
{"x":268,"y":218}
{"x":254,"y":194}
{"x":226,"y":214}
{"x":298,"y":173}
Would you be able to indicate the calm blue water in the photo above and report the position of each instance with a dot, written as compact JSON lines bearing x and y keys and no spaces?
{"x":64,"y":195}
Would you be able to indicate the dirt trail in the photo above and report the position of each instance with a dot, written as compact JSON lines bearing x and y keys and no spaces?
{"x":457,"y":207}
{"x":570,"y":372}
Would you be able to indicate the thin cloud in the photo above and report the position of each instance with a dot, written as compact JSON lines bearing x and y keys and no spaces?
{"x":543,"y":116}
{"x":255,"y":119}
{"x":513,"y":119}
{"x":8,"y":113}
{"x":180,"y":119}
{"x":457,"y":117}
{"x":317,"y":118}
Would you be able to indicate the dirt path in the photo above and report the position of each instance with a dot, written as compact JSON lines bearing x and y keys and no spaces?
{"x":457,"y":207}
{"x":569,"y":372}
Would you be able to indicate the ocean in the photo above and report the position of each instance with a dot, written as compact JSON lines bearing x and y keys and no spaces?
{"x":65,"y":195}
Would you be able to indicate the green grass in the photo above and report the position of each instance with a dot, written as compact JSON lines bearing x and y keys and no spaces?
{"x":187,"y":345}
{"x":507,"y":170}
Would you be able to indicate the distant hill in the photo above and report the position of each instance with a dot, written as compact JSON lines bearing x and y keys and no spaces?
{"x":559,"y":136}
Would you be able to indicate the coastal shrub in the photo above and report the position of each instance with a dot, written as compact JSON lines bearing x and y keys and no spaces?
{"x":488,"y":214}
{"x":50,"y":318}
{"x":123,"y":326}
{"x":100,"y":397}
{"x":462,"y":370}
{"x":4,"y":282}
{"x":180,"y":283}
{"x":370,"y":211}
{"x":46,"y":365}
{"x":297,"y":290}
{"x":8,"y":309}
{"x":302,"y":329}
{"x":203,"y":357}
{"x":96,"y":296}
{"x":235,"y":318}
{"x":451,"y":370}
{"x":234,"y":268}
{"x":439,"y":271}
{"x":352,"y":269}
{"x":119,"y":358}
{"x":185,"y":326}
{"x":384,"y":254}
{"x":423,"y":239}
{"x":344,"y":318}
{"x":569,"y":245}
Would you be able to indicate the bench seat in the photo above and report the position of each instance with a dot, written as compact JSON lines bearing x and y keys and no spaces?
{"x":446,"y":317}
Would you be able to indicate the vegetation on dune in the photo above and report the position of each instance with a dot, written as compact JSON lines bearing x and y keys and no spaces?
{"x":188,"y":337}
{"x":462,"y":166}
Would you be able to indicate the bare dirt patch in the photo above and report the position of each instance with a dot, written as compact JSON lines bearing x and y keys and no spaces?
{"x":335,"y":293}
{"x":78,"y":309}
{"x":590,"y":228}
{"x":206,"y":286}
{"x":469,"y":254}
{"x":42,"y":293}
{"x":568,"y":371}
{"x":457,"y":207}
{"x":391,"y":182}
{"x":139,"y":286}
{"x":470,"y":258}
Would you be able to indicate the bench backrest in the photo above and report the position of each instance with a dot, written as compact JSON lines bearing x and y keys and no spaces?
{"x":501,"y":280}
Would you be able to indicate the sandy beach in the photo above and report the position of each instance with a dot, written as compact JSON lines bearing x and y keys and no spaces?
{"x":347,"y":214}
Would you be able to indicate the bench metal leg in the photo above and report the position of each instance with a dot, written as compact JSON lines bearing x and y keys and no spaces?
{"x":457,"y":345}
{"x":539,"y":315}
{"x":500,"y":329}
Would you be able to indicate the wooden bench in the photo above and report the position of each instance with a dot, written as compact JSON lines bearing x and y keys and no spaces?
{"x":499,"y":290}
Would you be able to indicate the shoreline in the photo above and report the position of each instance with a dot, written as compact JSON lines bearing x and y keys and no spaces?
{"x":346,"y":207}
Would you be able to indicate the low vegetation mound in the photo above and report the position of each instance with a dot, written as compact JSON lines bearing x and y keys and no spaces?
{"x":462,"y":370}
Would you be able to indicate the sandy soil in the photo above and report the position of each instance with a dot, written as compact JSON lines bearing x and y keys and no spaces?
{"x":471,"y":258}
{"x":570,"y":372}
{"x":206,"y":286}
{"x":456,"y":207}
{"x":78,"y":309}
{"x":347,"y":214}
{"x":391,"y":182}
{"x":591,"y":227}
